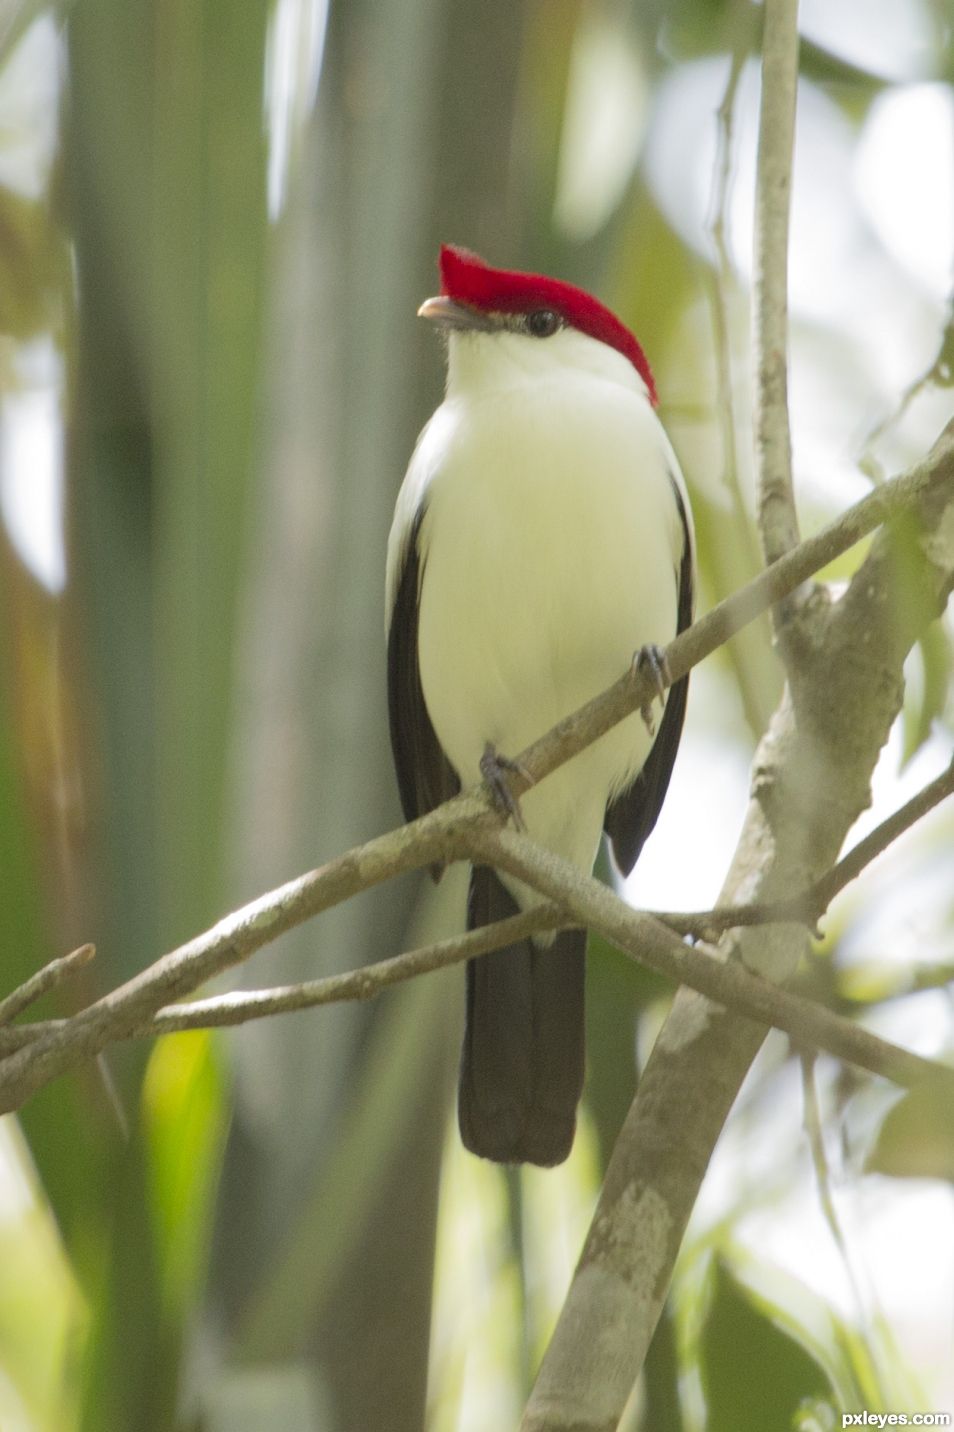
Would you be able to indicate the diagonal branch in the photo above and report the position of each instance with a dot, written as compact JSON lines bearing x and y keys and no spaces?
{"x":241,"y":1006}
{"x":443,"y":835}
{"x":649,"y":942}
{"x":809,"y":907}
{"x":885,"y":834}
{"x":643,"y":935}
{"x":783,"y":577}
{"x":812,"y":778}
{"x":434,"y":837}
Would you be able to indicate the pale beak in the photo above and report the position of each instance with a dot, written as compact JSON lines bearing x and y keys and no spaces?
{"x":448,"y":313}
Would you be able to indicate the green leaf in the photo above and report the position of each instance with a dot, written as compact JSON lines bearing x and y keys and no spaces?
{"x":757,"y":1374}
{"x":184,"y":1117}
{"x":916,"y":1139}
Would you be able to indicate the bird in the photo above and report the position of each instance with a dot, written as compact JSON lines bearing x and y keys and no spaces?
{"x":542,"y":538}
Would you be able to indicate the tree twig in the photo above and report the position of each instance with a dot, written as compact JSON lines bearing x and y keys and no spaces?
{"x":446,"y":833}
{"x":734,"y":557}
{"x":430,"y":839}
{"x":639,"y":935}
{"x":937,"y":371}
{"x":779,"y":580}
{"x":727,"y":983}
{"x":778,"y":521}
{"x":808,"y":908}
{"x":723,"y":280}
{"x":812,"y":778}
{"x":240,"y":1006}
{"x":44,"y":980}
{"x":885,"y":834}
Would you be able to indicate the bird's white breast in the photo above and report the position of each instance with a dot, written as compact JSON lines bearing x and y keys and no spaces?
{"x":550,"y":545}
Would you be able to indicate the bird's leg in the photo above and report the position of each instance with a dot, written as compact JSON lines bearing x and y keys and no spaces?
{"x":494,"y":768}
{"x":653,"y":659}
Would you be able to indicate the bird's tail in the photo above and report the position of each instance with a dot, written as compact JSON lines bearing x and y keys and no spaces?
{"x":521,"y":1071}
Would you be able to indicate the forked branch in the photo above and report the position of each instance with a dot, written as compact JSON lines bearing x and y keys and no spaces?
{"x":451,"y":832}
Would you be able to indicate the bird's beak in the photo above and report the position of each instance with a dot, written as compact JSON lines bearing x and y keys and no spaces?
{"x":458,"y":317}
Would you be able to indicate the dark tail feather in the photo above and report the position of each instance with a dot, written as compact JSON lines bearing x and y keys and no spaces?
{"x":521,"y":1071}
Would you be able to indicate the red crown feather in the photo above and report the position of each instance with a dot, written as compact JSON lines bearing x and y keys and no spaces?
{"x":467,"y":279}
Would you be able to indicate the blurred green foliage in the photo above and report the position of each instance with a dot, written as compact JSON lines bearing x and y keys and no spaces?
{"x":242,"y":1232}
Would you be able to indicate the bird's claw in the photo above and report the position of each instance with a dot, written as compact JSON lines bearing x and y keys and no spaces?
{"x":494,"y":769}
{"x":653,"y":659}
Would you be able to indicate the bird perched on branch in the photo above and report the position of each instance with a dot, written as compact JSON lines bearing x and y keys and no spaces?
{"x":542,"y":536}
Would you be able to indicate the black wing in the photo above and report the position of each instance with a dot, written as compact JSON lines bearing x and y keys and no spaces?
{"x":424,"y":774}
{"x":631,"y":816}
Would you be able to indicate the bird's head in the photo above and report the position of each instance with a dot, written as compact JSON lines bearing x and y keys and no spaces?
{"x":535,"y":325}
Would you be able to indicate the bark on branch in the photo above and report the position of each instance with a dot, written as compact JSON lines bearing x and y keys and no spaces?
{"x":778,"y":521}
{"x":449,"y":832}
{"x":811,"y":780}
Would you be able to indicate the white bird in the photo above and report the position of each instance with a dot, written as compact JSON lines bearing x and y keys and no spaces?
{"x":541,"y":537}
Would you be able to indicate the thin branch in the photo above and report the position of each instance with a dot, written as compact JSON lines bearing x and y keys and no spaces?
{"x":778,"y":521}
{"x":707,"y":924}
{"x":639,"y":935}
{"x":365,"y":983}
{"x":809,"y":907}
{"x":751,"y":658}
{"x":44,"y":980}
{"x":824,"y":741}
{"x":433,"y":838}
{"x":868,"y":849}
{"x":447,"y":833}
{"x":779,"y":580}
{"x":938,"y":372}
{"x":727,"y":983}
{"x":240,"y":1006}
{"x":723,"y":278}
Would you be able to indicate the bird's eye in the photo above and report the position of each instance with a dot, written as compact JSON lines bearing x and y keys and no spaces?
{"x":542,"y":322}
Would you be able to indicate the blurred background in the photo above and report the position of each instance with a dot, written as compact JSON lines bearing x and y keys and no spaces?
{"x":216,"y":222}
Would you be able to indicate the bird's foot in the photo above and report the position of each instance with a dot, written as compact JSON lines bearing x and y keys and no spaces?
{"x":494,"y":769}
{"x":652,"y":658}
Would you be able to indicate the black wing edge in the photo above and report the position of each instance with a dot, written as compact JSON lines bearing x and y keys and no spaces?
{"x":424,"y":775}
{"x":631,"y":816}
